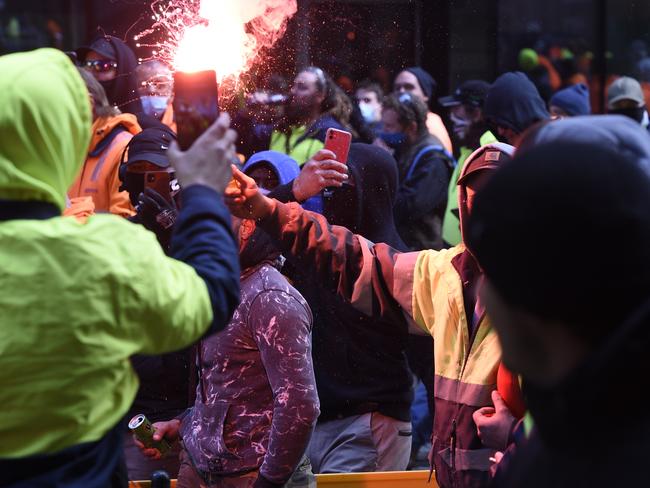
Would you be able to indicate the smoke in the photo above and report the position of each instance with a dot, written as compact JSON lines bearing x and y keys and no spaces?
{"x":224,"y":35}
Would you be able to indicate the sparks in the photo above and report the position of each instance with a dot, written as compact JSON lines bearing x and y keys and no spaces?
{"x":222,"y":35}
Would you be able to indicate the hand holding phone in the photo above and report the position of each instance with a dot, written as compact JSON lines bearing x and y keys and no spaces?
{"x":208,"y":161}
{"x":338,"y":141}
{"x":196,"y":104}
{"x":322,"y":171}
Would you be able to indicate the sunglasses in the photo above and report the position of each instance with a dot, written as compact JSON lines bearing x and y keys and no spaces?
{"x":100,"y":65}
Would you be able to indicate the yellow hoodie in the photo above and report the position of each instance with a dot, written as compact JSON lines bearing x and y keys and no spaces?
{"x":77,"y":299}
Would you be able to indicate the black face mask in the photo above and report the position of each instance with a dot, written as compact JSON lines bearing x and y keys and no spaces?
{"x":494,"y":129}
{"x":109,"y":86}
{"x":635,"y":113}
{"x":340,"y":206}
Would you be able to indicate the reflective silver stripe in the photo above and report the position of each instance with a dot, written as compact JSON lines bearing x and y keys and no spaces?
{"x":466,"y":459}
{"x":105,"y":153}
{"x":465,"y":393}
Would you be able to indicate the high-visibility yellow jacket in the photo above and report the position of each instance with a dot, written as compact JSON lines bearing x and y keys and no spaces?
{"x":77,"y":299}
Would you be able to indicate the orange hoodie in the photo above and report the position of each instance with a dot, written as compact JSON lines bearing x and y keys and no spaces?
{"x":99,"y":177}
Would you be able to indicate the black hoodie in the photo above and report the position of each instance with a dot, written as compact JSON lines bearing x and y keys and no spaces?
{"x":122,"y":90}
{"x":359,"y":361}
{"x":514,"y":102}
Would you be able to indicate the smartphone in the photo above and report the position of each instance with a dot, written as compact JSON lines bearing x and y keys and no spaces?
{"x":196,"y":104}
{"x":338,"y":141}
{"x":160,"y":181}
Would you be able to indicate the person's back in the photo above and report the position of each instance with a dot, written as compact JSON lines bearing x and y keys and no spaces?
{"x":359,"y":361}
{"x":77,"y":302}
{"x":256,"y":358}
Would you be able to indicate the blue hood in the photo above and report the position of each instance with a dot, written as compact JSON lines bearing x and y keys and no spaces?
{"x":285,"y":167}
{"x":514,"y":102}
{"x":617,"y":132}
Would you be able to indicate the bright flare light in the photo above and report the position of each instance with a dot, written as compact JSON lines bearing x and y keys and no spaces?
{"x":222,"y":35}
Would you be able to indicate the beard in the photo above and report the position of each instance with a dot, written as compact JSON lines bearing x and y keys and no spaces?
{"x":294,"y":113}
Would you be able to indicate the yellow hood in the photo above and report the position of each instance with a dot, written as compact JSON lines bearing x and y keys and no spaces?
{"x":45,"y":121}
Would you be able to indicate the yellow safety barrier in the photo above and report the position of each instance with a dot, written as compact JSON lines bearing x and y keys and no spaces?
{"x":387,"y":479}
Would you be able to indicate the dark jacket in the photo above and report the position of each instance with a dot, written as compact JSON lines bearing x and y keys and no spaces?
{"x":514,"y":102}
{"x":422,"y":194}
{"x":360,"y":362}
{"x":122,"y":91}
{"x":593,"y":429}
{"x":256,"y":403}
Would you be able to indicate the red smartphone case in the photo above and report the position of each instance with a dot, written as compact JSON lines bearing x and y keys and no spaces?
{"x":338,"y":141}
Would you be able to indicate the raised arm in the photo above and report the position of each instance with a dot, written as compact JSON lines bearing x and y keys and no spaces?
{"x":375,"y":278}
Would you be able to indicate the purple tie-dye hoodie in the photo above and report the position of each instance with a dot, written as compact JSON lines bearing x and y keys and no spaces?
{"x":257,"y":403}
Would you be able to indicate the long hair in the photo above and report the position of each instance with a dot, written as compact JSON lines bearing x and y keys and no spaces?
{"x":335,"y":102}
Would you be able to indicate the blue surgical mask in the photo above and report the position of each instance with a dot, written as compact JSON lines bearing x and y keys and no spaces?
{"x":154,"y":105}
{"x":394,"y":140}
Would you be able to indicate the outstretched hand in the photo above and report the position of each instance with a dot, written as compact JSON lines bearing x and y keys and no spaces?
{"x":207,"y":162}
{"x":244,"y":199}
{"x":494,"y":424}
{"x":320,"y":172}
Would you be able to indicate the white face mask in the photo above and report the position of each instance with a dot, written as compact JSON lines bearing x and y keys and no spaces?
{"x":460,"y":126}
{"x":370,"y":114}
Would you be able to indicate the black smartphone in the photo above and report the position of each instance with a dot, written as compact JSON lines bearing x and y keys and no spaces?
{"x":196,"y":104}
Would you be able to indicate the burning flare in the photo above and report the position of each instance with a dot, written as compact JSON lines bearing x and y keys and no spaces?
{"x":223,"y":35}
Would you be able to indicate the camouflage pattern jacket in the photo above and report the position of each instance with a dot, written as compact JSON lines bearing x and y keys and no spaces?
{"x":256,"y":403}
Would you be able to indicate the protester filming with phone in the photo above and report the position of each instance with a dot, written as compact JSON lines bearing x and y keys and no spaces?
{"x":79,"y":299}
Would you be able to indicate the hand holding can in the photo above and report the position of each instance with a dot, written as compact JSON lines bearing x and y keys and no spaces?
{"x":144,"y":432}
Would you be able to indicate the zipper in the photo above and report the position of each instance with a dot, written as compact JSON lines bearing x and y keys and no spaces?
{"x":452,"y":443}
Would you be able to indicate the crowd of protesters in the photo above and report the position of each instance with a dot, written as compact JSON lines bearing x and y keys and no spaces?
{"x":480,"y":293}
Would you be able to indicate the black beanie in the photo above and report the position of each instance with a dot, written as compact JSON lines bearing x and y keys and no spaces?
{"x":563,"y":232}
{"x":426,"y":81}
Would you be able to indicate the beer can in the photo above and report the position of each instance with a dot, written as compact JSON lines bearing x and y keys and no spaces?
{"x":143,"y":431}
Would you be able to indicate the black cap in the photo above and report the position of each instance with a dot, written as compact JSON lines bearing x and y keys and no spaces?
{"x":151,"y":145}
{"x":101,"y":45}
{"x":471,"y":92}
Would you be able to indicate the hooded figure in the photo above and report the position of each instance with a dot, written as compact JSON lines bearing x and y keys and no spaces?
{"x":284,"y":167}
{"x":361,"y":203}
{"x":580,"y":337}
{"x":271,"y":169}
{"x":360,"y":362}
{"x":65,"y":343}
{"x":121,"y":90}
{"x":571,"y":101}
{"x":512,"y":105}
